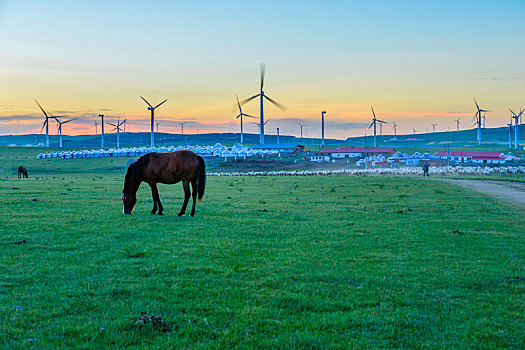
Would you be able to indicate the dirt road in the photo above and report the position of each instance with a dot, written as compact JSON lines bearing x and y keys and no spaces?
{"x":513,"y":192}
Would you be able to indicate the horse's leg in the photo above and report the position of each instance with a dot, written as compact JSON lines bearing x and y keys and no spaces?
{"x":186,"y":186}
{"x":155,"y":195}
{"x":194,"y":196}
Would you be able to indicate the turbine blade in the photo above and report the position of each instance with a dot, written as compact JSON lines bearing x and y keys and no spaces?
{"x":249,"y":99}
{"x":238,"y":103}
{"x":512,"y":112}
{"x":160,"y":103}
{"x":249,"y":116}
{"x":280,"y":106}
{"x":70,"y":120}
{"x":373,"y":112}
{"x":146,"y":101}
{"x":372,"y":123}
{"x":41,"y":108}
{"x":111,"y":124}
{"x":263,"y":70}
{"x":476,"y":102}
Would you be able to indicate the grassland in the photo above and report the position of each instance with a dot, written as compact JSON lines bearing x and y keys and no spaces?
{"x":330,"y":262}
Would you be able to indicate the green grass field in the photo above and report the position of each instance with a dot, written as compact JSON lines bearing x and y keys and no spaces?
{"x":284,"y":262}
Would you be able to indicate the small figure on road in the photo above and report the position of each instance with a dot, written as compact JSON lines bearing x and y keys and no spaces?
{"x":425,"y":168}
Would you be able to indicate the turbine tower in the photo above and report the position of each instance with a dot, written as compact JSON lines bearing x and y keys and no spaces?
{"x":433,"y":127}
{"x":457,"y":124}
{"x":117,"y":127}
{"x":301,"y":126}
{"x":240,"y":115}
{"x":322,"y":128}
{"x":381,"y":127}
{"x":478,"y":119}
{"x":516,"y":121}
{"x":510,"y":132}
{"x":414,"y":130}
{"x":102,"y":130}
{"x":374,"y":123}
{"x":45,"y":124}
{"x":60,"y":127}
{"x":152,"y":109}
{"x":157,"y":124}
{"x":96,"y":129}
{"x":262,"y":96}
{"x":277,"y":135}
{"x":394,"y":126}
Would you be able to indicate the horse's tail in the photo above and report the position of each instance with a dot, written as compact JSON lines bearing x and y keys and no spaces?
{"x":201,"y":179}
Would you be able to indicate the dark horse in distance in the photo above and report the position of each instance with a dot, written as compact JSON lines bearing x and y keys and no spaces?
{"x":22,"y":172}
{"x":165,"y":168}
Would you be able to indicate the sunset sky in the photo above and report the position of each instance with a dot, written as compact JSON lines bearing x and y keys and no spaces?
{"x":415,"y":62}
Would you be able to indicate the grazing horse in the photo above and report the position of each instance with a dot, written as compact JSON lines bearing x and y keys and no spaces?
{"x":22,"y":172}
{"x":166,"y":168}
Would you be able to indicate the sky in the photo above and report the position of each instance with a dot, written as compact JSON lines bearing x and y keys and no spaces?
{"x":415,"y":62}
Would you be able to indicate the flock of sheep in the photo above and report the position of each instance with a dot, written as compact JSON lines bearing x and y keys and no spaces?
{"x":438,"y":170}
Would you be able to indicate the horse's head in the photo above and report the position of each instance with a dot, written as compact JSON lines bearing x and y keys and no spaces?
{"x":129,"y":200}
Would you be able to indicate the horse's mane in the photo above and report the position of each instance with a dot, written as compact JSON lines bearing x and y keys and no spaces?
{"x":134,"y":173}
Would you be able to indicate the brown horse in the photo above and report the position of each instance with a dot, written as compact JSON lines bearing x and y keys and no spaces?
{"x":22,"y":172}
{"x":166,"y":168}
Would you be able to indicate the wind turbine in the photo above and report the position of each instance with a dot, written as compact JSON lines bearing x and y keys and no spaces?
{"x":457,"y":124}
{"x":117,"y":127}
{"x":152,"y":109}
{"x":262,"y":96}
{"x":322,"y":127}
{"x":46,"y":123}
{"x":374,"y":123}
{"x":516,"y":120}
{"x":102,"y":130}
{"x":182,"y":127}
{"x":394,"y":126}
{"x":301,"y":126}
{"x":478,"y":120}
{"x":240,"y":115}
{"x":414,"y":130}
{"x":96,"y":129}
{"x":157,"y":124}
{"x":259,"y":124}
{"x":60,"y":127}
{"x":433,"y":127}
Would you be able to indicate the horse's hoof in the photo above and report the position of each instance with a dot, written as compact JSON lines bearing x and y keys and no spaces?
{"x":180,"y":214}
{"x":152,"y":213}
{"x":161,"y":213}
{"x":192,"y":214}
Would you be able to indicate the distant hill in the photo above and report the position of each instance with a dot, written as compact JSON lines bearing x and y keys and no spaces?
{"x":465,"y":138}
{"x":143,"y":139}
{"x":491,"y":137}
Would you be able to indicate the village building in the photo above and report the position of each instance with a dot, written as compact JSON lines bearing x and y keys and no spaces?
{"x":334,"y":154}
{"x":477,"y":157}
